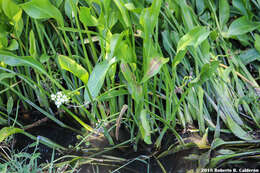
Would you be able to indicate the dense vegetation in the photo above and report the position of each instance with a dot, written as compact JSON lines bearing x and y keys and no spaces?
{"x":154,"y":68}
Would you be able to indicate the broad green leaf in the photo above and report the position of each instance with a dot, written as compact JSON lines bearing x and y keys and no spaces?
{"x":241,"y":26}
{"x":42,"y":9}
{"x":13,"y":45}
{"x":200,"y":5}
{"x":193,"y":38}
{"x":112,"y":94}
{"x":154,"y":67}
{"x":6,"y":75}
{"x":237,"y":130}
{"x":206,"y":72}
{"x":86,"y":18}
{"x":32,"y":48}
{"x":216,"y":143}
{"x":257,"y":43}
{"x":149,"y":18}
{"x":13,"y":60}
{"x":97,"y":78}
{"x":72,"y":66}
{"x":10,"y":104}
{"x":249,"y":56}
{"x":8,"y":131}
{"x":112,"y":48}
{"x":178,"y":58}
{"x":10,"y":8}
{"x":187,"y":16}
{"x":145,"y":128}
{"x":124,"y":12}
{"x":223,"y":12}
{"x":239,"y":4}
{"x":3,"y":36}
{"x":134,"y":89}
{"x":68,"y":8}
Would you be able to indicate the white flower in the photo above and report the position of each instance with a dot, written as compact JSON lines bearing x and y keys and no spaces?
{"x":53,"y":97}
{"x":59,"y":98}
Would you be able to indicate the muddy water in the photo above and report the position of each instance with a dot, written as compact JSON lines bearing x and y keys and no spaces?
{"x":175,"y":163}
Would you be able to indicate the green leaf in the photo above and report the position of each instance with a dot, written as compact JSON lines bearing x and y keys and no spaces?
{"x":124,"y":12}
{"x":8,"y":131}
{"x":86,"y":18}
{"x":49,"y":142}
{"x":112,"y":94}
{"x":237,"y":130}
{"x":145,"y":127}
{"x":216,"y":143}
{"x":206,"y":72}
{"x":42,"y":9}
{"x":134,"y":89}
{"x":13,"y":60}
{"x":68,"y":8}
{"x":193,"y":38}
{"x":249,"y":56}
{"x":241,"y":26}
{"x":257,"y":43}
{"x":10,"y":8}
{"x":72,"y":66}
{"x":178,"y":58}
{"x":32,"y":48}
{"x":223,"y":12}
{"x":149,"y":17}
{"x":10,"y":104}
{"x":6,"y":75}
{"x":97,"y":78}
{"x":154,"y":67}
{"x":13,"y":45}
{"x":239,"y":4}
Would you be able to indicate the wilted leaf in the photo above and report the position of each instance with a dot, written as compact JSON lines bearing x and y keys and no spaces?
{"x":72,"y":66}
{"x":201,"y":142}
{"x":154,"y":67}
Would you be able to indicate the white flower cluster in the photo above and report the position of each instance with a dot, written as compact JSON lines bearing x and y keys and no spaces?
{"x":59,"y":98}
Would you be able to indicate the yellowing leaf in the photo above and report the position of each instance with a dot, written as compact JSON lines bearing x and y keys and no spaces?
{"x":154,"y":67}
{"x":7,"y":131}
{"x":72,"y":66}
